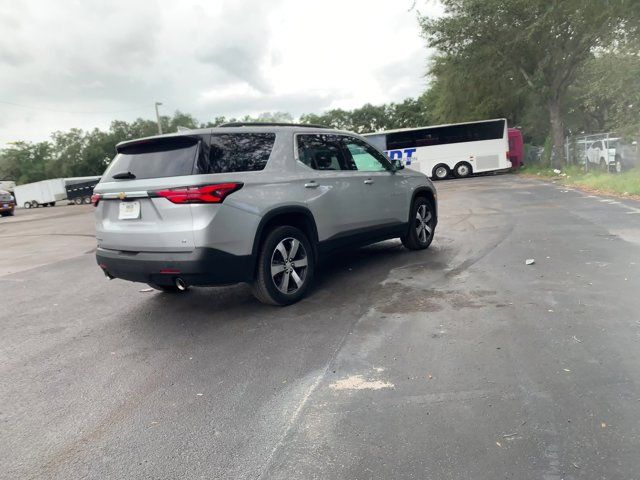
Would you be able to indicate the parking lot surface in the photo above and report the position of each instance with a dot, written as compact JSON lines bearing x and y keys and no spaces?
{"x":456,"y":362}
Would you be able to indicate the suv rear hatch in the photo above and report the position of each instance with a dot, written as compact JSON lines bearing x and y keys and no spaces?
{"x":131,"y":215}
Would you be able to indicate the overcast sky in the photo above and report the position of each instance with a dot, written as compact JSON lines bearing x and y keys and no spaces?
{"x":85,"y":63}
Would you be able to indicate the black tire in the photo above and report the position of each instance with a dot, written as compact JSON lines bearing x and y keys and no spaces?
{"x":414,"y":240}
{"x":268,"y":286}
{"x":34,"y":204}
{"x":462,"y":170}
{"x":27,"y":205}
{"x":603,"y":165}
{"x":52,"y":204}
{"x":86,"y":200}
{"x":440,"y":172}
{"x":77,"y":201}
{"x":167,"y":288}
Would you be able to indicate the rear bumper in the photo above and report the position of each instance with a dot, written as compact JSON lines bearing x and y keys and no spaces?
{"x":202,"y":266}
{"x":9,"y":208}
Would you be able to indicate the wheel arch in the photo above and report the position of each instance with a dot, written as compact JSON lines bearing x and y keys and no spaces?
{"x":295,"y":216}
{"x":438,"y":165}
{"x":427,"y":193}
{"x":463,"y":162}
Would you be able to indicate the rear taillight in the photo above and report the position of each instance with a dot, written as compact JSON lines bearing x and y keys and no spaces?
{"x":95,"y":199}
{"x":205,"y":194}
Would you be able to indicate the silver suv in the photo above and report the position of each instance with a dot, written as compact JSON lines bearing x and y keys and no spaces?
{"x":252,"y":203}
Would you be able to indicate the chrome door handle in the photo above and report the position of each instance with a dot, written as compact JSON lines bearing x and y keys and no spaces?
{"x":368,"y":181}
{"x":311,"y":184}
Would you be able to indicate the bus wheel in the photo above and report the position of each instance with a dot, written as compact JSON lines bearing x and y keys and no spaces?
{"x":440,"y":172}
{"x":462,"y":170}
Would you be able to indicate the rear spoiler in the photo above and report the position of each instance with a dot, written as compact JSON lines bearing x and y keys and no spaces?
{"x":154,"y":144}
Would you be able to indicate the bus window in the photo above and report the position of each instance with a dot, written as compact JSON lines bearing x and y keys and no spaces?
{"x":400,"y":140}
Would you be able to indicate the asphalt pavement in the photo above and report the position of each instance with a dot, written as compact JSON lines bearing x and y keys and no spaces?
{"x":458,"y":362}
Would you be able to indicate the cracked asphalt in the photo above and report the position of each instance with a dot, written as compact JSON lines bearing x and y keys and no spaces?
{"x":456,"y":362}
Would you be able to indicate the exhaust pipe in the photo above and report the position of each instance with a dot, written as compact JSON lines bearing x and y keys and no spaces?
{"x":180,"y":284}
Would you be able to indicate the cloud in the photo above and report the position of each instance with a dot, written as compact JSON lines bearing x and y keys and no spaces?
{"x":208,"y":58}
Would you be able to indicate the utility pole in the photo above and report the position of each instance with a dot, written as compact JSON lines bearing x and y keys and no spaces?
{"x":158,"y":118}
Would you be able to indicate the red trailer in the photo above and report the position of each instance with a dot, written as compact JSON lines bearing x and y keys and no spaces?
{"x":516,"y":148}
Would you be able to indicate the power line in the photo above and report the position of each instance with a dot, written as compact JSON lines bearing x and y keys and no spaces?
{"x":76,"y":112}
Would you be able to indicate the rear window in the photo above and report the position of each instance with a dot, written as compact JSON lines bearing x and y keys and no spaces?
{"x":168,"y":157}
{"x":237,"y":152}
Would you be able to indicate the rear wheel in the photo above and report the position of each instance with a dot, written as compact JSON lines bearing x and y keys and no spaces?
{"x":422,"y":225}
{"x":440,"y":172}
{"x":86,"y":200}
{"x":285,"y":267}
{"x":77,"y":201}
{"x":34,"y":204}
{"x":27,"y":205}
{"x":462,"y":170}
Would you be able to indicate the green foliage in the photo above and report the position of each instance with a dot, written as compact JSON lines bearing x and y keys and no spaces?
{"x":412,"y":112}
{"x":493,"y":51}
{"x":606,"y":95}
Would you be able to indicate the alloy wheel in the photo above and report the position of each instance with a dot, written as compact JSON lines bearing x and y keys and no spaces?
{"x":289,"y":262}
{"x":423,"y":229}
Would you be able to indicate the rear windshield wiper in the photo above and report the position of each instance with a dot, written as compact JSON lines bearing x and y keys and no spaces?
{"x":123,"y":176}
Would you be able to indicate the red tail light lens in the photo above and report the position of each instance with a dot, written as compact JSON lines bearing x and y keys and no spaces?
{"x":206,"y":194}
{"x":95,"y":199}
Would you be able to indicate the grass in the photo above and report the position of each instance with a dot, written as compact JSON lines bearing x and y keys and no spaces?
{"x":626,"y":183}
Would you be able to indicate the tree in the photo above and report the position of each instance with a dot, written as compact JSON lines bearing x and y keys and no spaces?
{"x":542,"y":43}
{"x":606,"y":94}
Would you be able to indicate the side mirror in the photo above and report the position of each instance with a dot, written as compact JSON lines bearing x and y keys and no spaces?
{"x":396,"y":165}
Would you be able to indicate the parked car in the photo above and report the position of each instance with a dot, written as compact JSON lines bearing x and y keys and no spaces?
{"x":252,"y":203}
{"x":7,"y":203}
{"x":611,"y":154}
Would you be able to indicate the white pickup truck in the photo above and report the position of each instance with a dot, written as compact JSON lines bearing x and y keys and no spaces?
{"x":611,"y":154}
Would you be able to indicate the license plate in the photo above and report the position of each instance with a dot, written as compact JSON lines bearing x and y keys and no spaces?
{"x":129,"y":211}
{"x":5,"y":205}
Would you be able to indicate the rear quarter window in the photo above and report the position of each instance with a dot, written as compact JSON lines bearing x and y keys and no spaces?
{"x":237,"y":152}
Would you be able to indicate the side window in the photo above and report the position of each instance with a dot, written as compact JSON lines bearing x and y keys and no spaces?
{"x":236,"y":152}
{"x":364,"y":156}
{"x":322,"y":152}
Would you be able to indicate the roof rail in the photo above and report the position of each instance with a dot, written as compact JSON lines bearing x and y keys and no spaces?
{"x":270,"y":124}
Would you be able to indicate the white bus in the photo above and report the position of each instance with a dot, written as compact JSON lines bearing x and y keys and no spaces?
{"x":460,"y":149}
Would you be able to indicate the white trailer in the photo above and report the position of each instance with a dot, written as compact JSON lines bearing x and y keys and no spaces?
{"x":44,"y":193}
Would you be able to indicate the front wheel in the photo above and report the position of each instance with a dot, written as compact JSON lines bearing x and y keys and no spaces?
{"x":285,"y":267}
{"x":440,"y":172}
{"x":421,"y":226}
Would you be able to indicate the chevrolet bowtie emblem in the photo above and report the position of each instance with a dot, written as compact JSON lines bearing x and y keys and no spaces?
{"x":122,"y":195}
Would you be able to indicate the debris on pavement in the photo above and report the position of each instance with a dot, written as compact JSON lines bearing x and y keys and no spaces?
{"x":530,"y":261}
{"x":509,"y":435}
{"x":145,"y":290}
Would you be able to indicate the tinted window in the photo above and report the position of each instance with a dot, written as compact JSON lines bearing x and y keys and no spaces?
{"x":237,"y":152}
{"x":322,"y":152}
{"x":469,"y":132}
{"x":364,"y":157}
{"x":168,"y":157}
